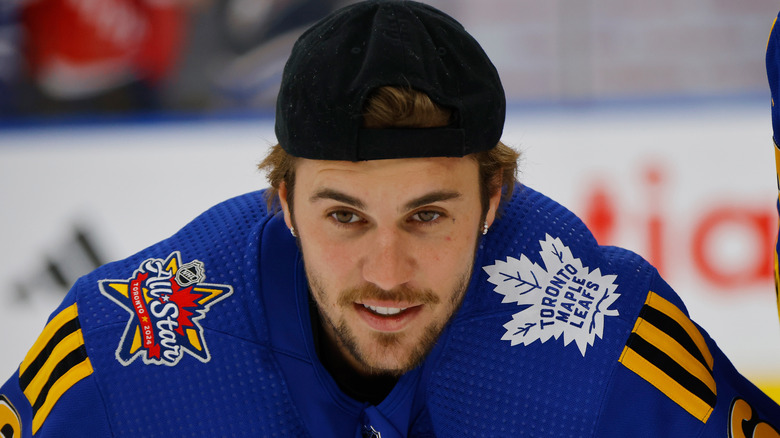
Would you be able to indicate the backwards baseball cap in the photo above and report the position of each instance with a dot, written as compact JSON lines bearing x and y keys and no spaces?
{"x":336,"y":64}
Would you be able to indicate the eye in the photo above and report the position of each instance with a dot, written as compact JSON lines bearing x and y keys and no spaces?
{"x":345,"y":217}
{"x":426,"y":216}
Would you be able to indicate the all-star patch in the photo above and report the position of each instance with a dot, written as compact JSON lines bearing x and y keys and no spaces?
{"x":166,"y":300}
{"x":563,"y":298}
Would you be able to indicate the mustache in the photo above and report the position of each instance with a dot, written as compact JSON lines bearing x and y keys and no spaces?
{"x":401,"y":293}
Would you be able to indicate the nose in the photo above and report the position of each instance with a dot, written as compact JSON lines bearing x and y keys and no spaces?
{"x":389,"y":262}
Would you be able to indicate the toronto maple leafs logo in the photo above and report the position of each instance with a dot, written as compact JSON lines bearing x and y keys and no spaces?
{"x":166,"y":300}
{"x":563,"y":298}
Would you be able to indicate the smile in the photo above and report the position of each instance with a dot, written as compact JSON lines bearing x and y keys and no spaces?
{"x":386,"y":318}
{"x":387,"y":311}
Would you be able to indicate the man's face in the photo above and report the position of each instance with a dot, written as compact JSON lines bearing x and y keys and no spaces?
{"x":388,"y":247}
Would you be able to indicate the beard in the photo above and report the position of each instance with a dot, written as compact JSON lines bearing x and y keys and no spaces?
{"x":385,"y":353}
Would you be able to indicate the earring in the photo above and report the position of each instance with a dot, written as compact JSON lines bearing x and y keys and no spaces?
{"x":484,"y":228}
{"x":292,"y":231}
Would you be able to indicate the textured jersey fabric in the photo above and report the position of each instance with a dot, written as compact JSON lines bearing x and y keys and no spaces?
{"x":208,"y":333}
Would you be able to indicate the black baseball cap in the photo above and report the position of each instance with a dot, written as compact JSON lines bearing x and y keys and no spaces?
{"x":336,"y":64}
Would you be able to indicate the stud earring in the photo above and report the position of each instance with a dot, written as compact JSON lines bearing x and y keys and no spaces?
{"x":484,"y":228}
{"x":292,"y":231}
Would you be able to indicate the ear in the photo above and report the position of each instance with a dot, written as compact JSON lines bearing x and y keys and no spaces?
{"x":495,"y":200}
{"x":285,"y":206}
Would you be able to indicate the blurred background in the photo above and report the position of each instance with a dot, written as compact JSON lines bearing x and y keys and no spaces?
{"x":121,"y":120}
{"x":60,"y":57}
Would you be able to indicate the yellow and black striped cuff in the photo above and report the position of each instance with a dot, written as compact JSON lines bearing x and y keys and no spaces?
{"x":56,"y":362}
{"x":666,"y":349}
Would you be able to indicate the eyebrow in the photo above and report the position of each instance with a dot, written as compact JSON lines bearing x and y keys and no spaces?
{"x":428,"y":198}
{"x":337,"y":196}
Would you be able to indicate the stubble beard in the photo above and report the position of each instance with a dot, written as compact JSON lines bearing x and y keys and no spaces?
{"x":388,"y":345}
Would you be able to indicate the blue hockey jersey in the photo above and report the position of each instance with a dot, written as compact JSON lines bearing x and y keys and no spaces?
{"x":208,"y":333}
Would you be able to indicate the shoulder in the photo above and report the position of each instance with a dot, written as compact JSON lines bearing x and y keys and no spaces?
{"x":559,"y":324}
{"x":181,"y":303}
{"x":543,"y":324}
{"x":206,"y":258}
{"x":197,"y":268}
{"x":157,"y":305}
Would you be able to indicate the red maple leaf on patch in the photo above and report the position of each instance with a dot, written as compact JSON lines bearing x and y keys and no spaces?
{"x":187,"y":301}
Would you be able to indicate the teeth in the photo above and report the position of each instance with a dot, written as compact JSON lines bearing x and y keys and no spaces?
{"x":385,"y":310}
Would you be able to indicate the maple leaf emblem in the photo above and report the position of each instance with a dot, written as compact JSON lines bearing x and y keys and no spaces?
{"x":562,"y":299}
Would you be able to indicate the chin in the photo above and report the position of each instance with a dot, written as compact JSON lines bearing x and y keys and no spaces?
{"x":395,"y":354}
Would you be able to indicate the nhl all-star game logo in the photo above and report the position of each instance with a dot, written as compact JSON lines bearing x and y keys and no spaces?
{"x":563,"y":298}
{"x":166,"y":300}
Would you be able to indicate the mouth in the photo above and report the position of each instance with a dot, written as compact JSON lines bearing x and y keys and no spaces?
{"x":385,"y":311}
{"x":387,"y":317}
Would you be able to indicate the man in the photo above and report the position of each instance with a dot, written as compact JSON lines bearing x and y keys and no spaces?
{"x":400,"y":284}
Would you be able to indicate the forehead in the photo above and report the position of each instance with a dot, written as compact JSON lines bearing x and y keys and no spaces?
{"x":398,"y":174}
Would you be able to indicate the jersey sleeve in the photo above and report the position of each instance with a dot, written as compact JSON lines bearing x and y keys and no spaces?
{"x":777,"y":241}
{"x":773,"y":75}
{"x":673,"y":380}
{"x":53,"y":392}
